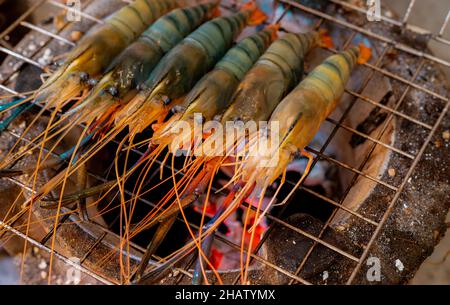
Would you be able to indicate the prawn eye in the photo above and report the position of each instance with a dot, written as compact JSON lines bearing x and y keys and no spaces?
{"x":199,"y":119}
{"x":113,"y":91}
{"x":92,"y":82}
{"x":140,"y":87}
{"x":178,"y":109}
{"x":197,"y":192}
{"x":165,"y":99}
{"x":264,"y":131}
{"x":84,"y":76}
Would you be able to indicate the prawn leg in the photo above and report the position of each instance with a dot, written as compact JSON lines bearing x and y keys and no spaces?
{"x":63,"y":157}
{"x":82,"y":180}
{"x":197,"y":277}
{"x":305,"y":174}
{"x":17,"y":107}
{"x":310,"y":157}
{"x":156,"y":241}
{"x":50,"y":203}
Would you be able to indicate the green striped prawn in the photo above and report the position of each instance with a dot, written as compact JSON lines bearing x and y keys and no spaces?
{"x":133,"y":66}
{"x":182,"y":67}
{"x":213,"y":92}
{"x":97,"y":49}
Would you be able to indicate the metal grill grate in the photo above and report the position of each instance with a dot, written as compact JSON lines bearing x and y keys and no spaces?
{"x":376,"y":226}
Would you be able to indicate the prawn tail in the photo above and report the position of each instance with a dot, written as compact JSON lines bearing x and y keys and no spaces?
{"x":274,"y":28}
{"x":215,"y":13}
{"x":257,"y":16}
{"x":365,"y":53}
{"x":325,"y":40}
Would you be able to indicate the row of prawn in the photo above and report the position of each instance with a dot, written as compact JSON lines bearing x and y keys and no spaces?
{"x":185,"y":63}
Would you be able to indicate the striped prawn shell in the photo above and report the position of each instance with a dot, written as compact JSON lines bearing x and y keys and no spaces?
{"x":239,"y":59}
{"x":133,"y":65}
{"x":302,"y":112}
{"x":131,"y":20}
{"x":328,"y":79}
{"x":287,"y":54}
{"x":217,"y":87}
{"x":216,"y":36}
{"x":271,"y":78}
{"x":170,"y":29}
{"x":118,"y":31}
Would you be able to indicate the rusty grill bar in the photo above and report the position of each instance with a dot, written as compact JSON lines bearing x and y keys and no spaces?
{"x":319,"y":155}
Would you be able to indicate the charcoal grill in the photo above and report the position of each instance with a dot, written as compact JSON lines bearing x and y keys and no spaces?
{"x":101,"y":237}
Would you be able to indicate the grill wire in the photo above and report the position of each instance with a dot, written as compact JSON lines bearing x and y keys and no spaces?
{"x":319,"y":154}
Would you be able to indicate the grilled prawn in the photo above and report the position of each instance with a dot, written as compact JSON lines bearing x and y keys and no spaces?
{"x":213,"y":92}
{"x":133,"y":66}
{"x":182,"y":67}
{"x":97,"y":49}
